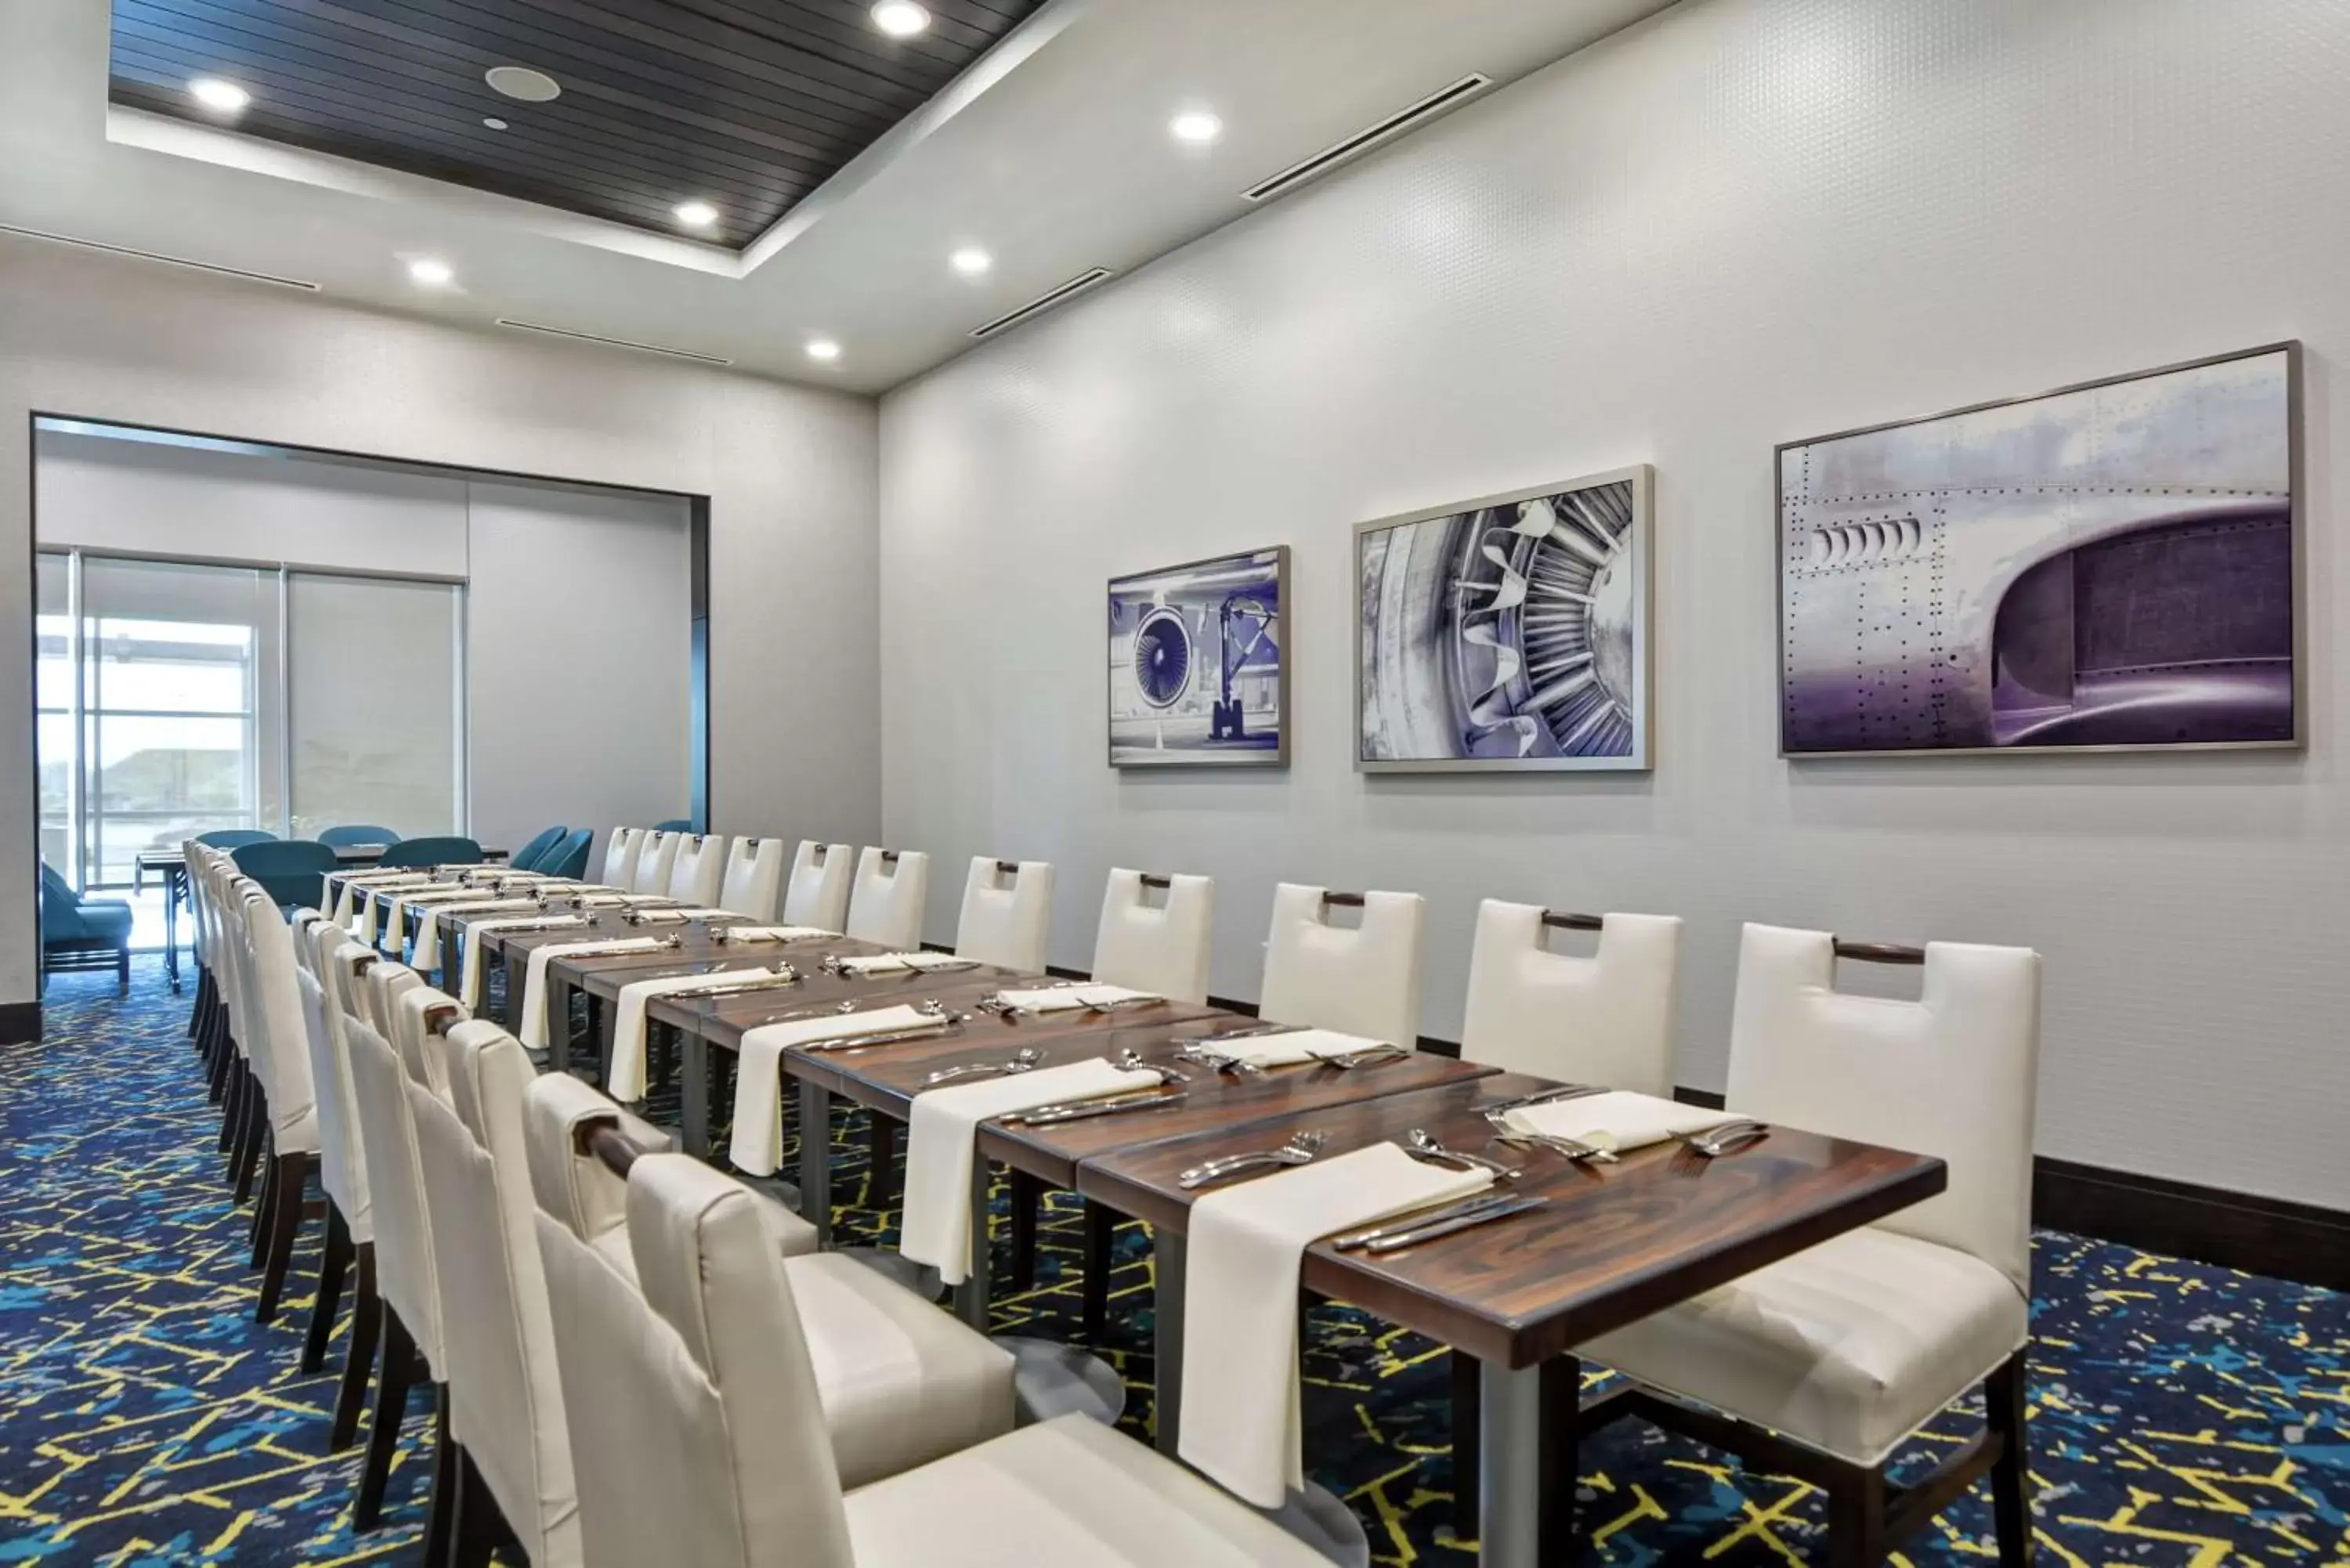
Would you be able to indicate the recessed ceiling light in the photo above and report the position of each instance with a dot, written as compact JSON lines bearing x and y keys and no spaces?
{"x":430,"y":273}
{"x":900,"y":18}
{"x":524,"y":83}
{"x":970,"y":261}
{"x":695,"y":214}
{"x":215,"y":94}
{"x":823,"y":348}
{"x":1196,"y":125}
{"x":494,"y":122}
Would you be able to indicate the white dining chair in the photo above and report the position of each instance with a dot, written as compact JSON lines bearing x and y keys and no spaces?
{"x":655,"y":860}
{"x":710,"y":1445}
{"x":1159,"y":948}
{"x":278,"y":1046}
{"x":1847,"y":1349}
{"x":885,"y":904}
{"x":817,"y":893}
{"x":619,"y":867}
{"x":1606,"y":1019}
{"x":753,"y":875}
{"x":1364,"y":981}
{"x":505,"y":1390}
{"x":1007,"y":911}
{"x":901,"y":1383}
{"x":697,"y":868}
{"x":407,"y":1283}
{"x":350,"y":1224}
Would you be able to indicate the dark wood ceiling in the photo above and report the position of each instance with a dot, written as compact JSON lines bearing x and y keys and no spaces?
{"x":746,"y":104}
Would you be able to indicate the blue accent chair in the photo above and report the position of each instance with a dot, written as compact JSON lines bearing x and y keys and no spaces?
{"x":352,"y":833}
{"x":674,"y":825}
{"x":528,"y":856}
{"x":292,"y":871}
{"x":83,"y":933}
{"x":449,"y":850}
{"x":231,"y":837}
{"x":569,"y":859}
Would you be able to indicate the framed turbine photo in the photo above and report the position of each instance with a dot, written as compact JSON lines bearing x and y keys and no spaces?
{"x":1199,"y":664}
{"x":2110,"y":566}
{"x":1507,"y":633}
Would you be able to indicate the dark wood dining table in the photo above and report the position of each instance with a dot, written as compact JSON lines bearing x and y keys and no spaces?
{"x":1611,"y":1244}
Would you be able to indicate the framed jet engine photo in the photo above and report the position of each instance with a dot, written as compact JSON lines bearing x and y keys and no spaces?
{"x":1199,"y":667}
{"x":1509,"y":632}
{"x":2115,"y":566}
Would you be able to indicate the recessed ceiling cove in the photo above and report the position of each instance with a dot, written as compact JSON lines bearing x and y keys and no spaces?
{"x":746,"y":105}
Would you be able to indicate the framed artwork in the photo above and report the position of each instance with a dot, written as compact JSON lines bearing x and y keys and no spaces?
{"x":2111,"y":566}
{"x":1199,"y":667}
{"x":1508,"y":632}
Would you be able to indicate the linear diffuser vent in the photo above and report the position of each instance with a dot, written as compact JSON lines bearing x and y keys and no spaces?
{"x":1044,"y":302}
{"x":1371,"y":136}
{"x":612,"y":342}
{"x":212,"y":267}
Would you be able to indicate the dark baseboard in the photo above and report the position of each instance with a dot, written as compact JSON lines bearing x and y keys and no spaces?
{"x":20,"y":1023}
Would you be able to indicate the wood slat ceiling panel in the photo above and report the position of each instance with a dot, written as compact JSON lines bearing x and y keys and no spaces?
{"x":747,"y":104}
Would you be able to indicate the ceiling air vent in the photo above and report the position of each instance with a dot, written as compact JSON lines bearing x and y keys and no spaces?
{"x":1371,"y":136}
{"x":1044,"y":302}
{"x":612,"y":342}
{"x":212,"y":267}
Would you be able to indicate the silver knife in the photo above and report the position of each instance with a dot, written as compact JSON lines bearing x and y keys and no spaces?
{"x":1547,"y":1098}
{"x":1459,"y":1222}
{"x":1397,"y":1226}
{"x":1084,"y":1110}
{"x":1254,"y":1031}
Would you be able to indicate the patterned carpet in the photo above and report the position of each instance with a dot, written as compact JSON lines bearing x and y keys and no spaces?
{"x":2180,"y":1415}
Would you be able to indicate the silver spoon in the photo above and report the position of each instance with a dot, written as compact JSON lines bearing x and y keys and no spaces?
{"x":1020,"y":1061}
{"x":1424,"y":1143}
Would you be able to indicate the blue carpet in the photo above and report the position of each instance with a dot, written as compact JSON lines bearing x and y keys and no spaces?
{"x":2180,"y":1415}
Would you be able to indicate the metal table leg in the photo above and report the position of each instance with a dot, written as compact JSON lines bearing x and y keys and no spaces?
{"x":970,"y":1296}
{"x":1167,"y":1316}
{"x":174,"y":878}
{"x":693,"y":1093}
{"x":1526,"y":1450}
{"x":816,"y":1159}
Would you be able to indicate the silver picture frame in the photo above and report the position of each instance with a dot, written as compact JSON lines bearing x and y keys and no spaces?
{"x":1211,"y":753}
{"x":1631,"y":723}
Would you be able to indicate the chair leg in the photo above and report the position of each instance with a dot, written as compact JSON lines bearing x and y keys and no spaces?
{"x":881,"y":1158}
{"x":218,"y":1051}
{"x":1857,"y":1518}
{"x":481,"y":1526}
{"x":252,"y":1123}
{"x":231,"y":1101}
{"x":122,"y":971}
{"x":1100,"y":1228}
{"x":440,"y":1525}
{"x":1027,"y":1197}
{"x":359,"y":1359}
{"x":265,"y":1204}
{"x":196,"y":1008}
{"x":334,"y":1260}
{"x":391,"y":1385}
{"x":2011,"y":1475}
{"x":284,"y":1219}
{"x":1468,"y":1409}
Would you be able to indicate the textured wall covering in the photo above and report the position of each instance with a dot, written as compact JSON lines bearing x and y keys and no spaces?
{"x":790,"y":473}
{"x":1736,"y":225}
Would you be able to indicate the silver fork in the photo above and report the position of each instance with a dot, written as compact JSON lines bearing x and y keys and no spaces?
{"x":1020,"y":1061}
{"x":1497,"y":1116}
{"x":1423,"y":1143}
{"x":1128,"y":1059}
{"x":1348,"y":1061}
{"x":1300,"y":1149}
{"x":1713,"y":1142}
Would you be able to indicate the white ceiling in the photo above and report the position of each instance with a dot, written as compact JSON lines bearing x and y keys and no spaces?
{"x":1052,"y":154}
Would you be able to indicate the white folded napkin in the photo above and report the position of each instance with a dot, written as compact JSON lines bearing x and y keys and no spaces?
{"x":405,"y":904}
{"x":358,"y":882}
{"x":758,"y":1142}
{"x":941,"y":1142}
{"x":678,"y":916}
{"x":534,"y":987}
{"x":1064,"y":998}
{"x":1289,"y":1048}
{"x":1241,"y":1403}
{"x":1617,"y":1120}
{"x":773,"y":934}
{"x":469,"y":985}
{"x":901,"y":963}
{"x":428,"y":946}
{"x":624,"y":1075}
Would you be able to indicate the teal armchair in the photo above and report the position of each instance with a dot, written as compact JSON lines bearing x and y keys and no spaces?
{"x":83,"y":933}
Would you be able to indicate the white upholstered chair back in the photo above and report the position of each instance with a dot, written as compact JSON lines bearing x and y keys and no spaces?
{"x":199,"y":940}
{"x":280,"y":1050}
{"x":817,"y":893}
{"x":754,"y":875}
{"x":1161,"y":948}
{"x":698,"y":867}
{"x":1364,"y":981}
{"x":573,"y":1187}
{"x":619,"y":868}
{"x":231,"y":961}
{"x":701,"y":1438}
{"x":655,"y":861}
{"x":1950,"y":1075}
{"x":1606,"y":1019}
{"x":1007,"y":915}
{"x":505,"y":1391}
{"x":885,"y":904}
{"x":404,"y":1267}
{"x":339,"y":1154}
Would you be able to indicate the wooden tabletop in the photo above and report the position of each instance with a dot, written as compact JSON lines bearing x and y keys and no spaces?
{"x":1615,"y":1243}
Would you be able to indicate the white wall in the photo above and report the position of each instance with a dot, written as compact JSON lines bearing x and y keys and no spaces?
{"x":790,"y":474}
{"x":1735,"y":226}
